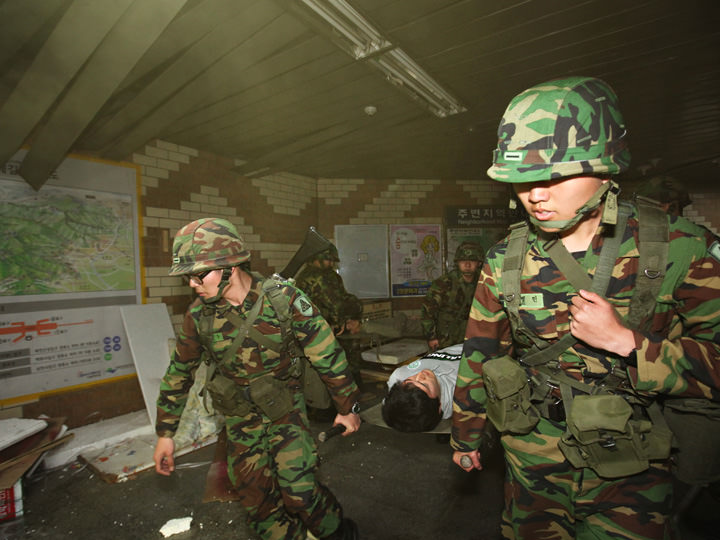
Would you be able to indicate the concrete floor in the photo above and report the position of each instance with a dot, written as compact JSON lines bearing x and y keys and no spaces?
{"x":394,"y":485}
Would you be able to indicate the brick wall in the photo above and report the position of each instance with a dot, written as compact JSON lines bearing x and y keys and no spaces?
{"x":273,"y":212}
{"x":705,"y":210}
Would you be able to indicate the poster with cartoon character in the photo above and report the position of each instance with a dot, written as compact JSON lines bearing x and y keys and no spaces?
{"x":415,"y":258}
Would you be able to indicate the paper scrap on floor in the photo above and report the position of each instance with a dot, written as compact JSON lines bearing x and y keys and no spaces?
{"x":175,"y":526}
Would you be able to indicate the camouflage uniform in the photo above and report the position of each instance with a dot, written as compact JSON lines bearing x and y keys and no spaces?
{"x":272,"y":464}
{"x":326,"y":289}
{"x":545,"y":496}
{"x":445,"y":308}
{"x":668,"y":191}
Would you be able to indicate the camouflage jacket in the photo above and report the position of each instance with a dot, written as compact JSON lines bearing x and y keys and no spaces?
{"x":445,"y":308}
{"x":677,"y":356}
{"x":326,"y":289}
{"x":253,"y":360}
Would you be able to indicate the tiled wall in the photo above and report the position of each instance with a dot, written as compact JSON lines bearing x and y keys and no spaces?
{"x":272,"y":213}
{"x":705,"y":210}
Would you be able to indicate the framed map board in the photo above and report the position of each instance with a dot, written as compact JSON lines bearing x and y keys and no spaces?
{"x":69,"y":256}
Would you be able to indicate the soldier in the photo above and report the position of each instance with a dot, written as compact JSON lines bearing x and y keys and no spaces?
{"x":325,"y":287}
{"x":251,"y":332}
{"x":445,"y":308}
{"x":342,"y":310}
{"x":557,"y":355}
{"x":671,"y":194}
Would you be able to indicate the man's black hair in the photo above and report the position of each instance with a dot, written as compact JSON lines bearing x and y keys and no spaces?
{"x":407,"y":408}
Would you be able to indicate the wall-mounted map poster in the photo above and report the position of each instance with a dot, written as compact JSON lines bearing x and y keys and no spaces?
{"x":69,"y":258}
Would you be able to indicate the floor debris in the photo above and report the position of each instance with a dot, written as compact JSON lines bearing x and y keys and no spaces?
{"x":175,"y":526}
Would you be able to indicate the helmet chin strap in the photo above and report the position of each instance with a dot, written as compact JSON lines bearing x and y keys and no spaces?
{"x":224,"y":282}
{"x":608,"y":192}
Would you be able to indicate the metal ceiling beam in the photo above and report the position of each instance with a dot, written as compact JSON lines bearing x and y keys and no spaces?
{"x":81,"y":29}
{"x":213,"y":84}
{"x":192,"y":63}
{"x":136,"y":30}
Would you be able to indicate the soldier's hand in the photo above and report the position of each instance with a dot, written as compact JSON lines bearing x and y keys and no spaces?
{"x":353,"y":326}
{"x":461,"y":460}
{"x":433,"y":344}
{"x":164,"y":456}
{"x":351,"y":422}
{"x":595,"y":321}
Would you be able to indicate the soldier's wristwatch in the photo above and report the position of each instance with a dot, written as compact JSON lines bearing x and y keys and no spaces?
{"x":355,"y":409}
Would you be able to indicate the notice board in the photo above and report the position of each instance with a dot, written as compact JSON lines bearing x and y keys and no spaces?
{"x":363,"y":251}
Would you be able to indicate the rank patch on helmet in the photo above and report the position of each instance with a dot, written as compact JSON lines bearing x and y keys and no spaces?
{"x":715,"y":250}
{"x":303,"y":305}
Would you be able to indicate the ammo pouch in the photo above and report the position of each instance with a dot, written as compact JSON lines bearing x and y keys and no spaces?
{"x":696,"y":426}
{"x":602,"y":435}
{"x":508,"y":396}
{"x":272,"y":396}
{"x":314,"y":389}
{"x":228,"y":397}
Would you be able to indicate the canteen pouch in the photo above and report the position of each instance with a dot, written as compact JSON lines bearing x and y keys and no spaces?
{"x":272,"y":396}
{"x":314,"y":389}
{"x":227,"y":396}
{"x":508,"y":396}
{"x":602,"y":436}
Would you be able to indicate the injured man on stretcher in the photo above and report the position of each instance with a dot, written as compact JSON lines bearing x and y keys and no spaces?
{"x":420,"y":394}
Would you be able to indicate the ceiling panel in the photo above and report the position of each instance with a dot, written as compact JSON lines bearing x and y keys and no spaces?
{"x":264,"y":82}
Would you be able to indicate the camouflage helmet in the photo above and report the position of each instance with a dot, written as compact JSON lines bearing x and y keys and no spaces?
{"x":207,"y":244}
{"x":561,"y":128}
{"x":665,"y":189}
{"x":329,"y":254}
{"x":469,"y":251}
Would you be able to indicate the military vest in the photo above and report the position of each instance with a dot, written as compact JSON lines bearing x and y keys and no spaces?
{"x":315,"y":391}
{"x":697,"y":461}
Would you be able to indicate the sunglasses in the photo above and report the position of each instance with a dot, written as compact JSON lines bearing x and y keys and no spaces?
{"x":197,"y":279}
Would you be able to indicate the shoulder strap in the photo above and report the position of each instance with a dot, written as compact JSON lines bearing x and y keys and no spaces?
{"x":654,"y":239}
{"x":244,"y":326}
{"x":541,"y":353}
{"x":281,"y":305}
{"x":512,"y":274}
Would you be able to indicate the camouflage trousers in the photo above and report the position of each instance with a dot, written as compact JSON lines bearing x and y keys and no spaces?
{"x":545,"y":497}
{"x":273,"y":467}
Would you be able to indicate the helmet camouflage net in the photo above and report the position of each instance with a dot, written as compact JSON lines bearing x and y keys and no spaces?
{"x":665,"y":189}
{"x":207,"y":244}
{"x":560,"y":128}
{"x":469,"y":251}
{"x":329,"y":254}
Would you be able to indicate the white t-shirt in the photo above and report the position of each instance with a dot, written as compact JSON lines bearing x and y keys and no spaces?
{"x":444,"y":364}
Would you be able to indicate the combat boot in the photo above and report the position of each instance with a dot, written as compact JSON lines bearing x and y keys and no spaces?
{"x":346,"y":531}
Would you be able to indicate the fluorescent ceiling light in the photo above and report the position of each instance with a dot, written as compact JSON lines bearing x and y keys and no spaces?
{"x":363,"y":41}
{"x":402,"y":71}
